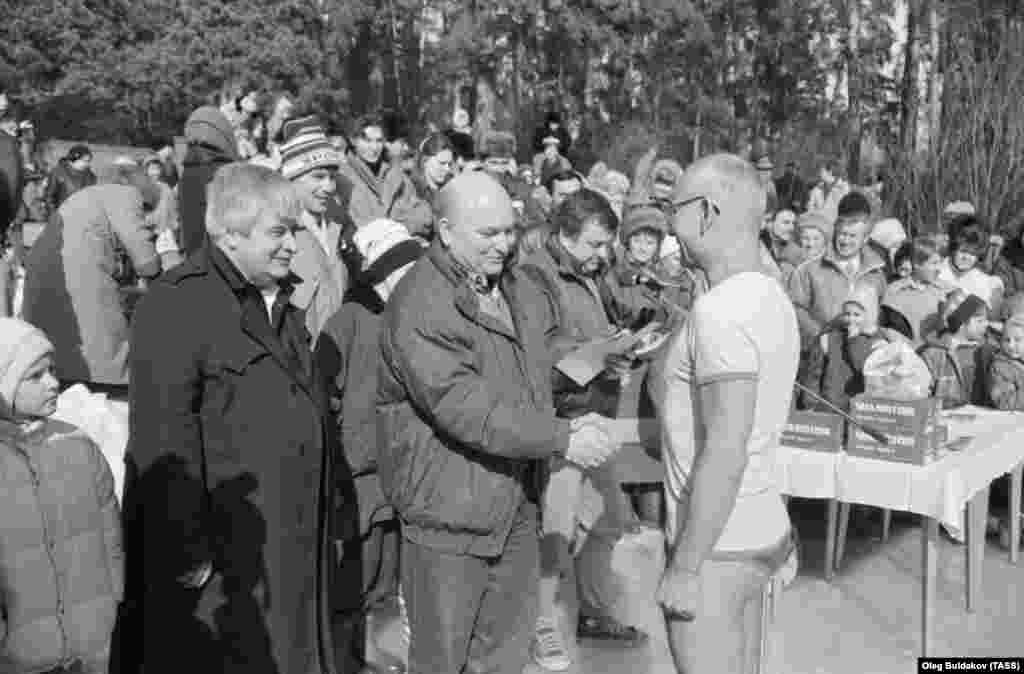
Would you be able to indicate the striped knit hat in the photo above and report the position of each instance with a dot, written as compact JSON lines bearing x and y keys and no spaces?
{"x":306,"y":147}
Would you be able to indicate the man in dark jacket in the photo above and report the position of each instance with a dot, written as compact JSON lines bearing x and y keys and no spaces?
{"x":464,"y":414}
{"x":211,"y":144}
{"x":226,"y":501}
{"x":570,"y":271}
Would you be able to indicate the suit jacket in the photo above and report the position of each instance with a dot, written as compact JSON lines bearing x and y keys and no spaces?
{"x":228,"y":463}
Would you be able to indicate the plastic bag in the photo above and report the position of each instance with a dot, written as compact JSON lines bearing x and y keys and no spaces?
{"x":103,"y":420}
{"x":895,"y":371}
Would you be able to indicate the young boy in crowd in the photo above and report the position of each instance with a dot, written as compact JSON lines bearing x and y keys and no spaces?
{"x":813,"y":234}
{"x":835,"y":369}
{"x":919,"y":298}
{"x":954,"y":355}
{"x":60,"y":545}
{"x":1006,"y":374}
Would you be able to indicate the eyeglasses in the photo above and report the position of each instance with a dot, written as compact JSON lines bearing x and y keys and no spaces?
{"x":671,"y":208}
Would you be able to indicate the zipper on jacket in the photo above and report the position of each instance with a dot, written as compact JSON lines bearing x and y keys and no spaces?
{"x":49,"y":544}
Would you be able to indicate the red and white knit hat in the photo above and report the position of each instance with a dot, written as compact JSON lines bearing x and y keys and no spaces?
{"x":306,"y":147}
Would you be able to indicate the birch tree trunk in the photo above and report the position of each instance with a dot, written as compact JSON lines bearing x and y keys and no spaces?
{"x":855,"y":126}
{"x":909,"y":98}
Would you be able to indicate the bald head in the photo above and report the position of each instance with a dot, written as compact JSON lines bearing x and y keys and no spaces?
{"x":477,"y":222}
{"x":720,"y":208}
{"x":734,"y":186}
{"x":472,"y":191}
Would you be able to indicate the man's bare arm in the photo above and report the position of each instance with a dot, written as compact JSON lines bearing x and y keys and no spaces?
{"x":727,"y":412}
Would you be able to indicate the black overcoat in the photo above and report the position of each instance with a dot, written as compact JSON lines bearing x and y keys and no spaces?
{"x":228,"y":462}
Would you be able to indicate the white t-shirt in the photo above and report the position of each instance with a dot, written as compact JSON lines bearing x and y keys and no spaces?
{"x":743,"y":328}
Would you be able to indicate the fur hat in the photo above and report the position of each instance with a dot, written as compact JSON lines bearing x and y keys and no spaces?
{"x":644,"y":216}
{"x":208,"y":126}
{"x":21,"y":345}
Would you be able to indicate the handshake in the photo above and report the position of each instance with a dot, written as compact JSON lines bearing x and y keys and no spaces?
{"x":590,"y":442}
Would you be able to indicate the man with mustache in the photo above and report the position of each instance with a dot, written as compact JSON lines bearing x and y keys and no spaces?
{"x":569,"y":269}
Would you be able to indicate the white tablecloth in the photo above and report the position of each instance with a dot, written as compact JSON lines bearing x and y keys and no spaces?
{"x":938,"y":490}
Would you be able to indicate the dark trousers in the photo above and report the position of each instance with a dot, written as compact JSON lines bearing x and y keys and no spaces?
{"x":473,"y":614}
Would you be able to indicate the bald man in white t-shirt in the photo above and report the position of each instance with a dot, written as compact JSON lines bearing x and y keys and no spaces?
{"x":725,"y":391}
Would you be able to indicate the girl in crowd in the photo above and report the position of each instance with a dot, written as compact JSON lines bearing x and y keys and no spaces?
{"x":961,"y":269}
{"x":61,"y":571}
{"x":436,"y":166}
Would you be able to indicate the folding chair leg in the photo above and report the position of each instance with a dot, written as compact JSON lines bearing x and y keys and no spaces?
{"x":886,"y":524}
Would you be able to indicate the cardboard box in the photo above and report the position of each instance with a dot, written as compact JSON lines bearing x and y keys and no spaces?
{"x":909,"y":426}
{"x":819,"y":431}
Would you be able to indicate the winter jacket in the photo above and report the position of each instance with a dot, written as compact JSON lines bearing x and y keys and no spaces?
{"x":324,"y":277}
{"x":95,"y":244}
{"x":1009,"y":267}
{"x":633,"y":286}
{"x":65,"y":181}
{"x":390,"y":194}
{"x":819,"y":287}
{"x":958,"y":374}
{"x":583,"y":309}
{"x":464,"y":406}
{"x":201,"y":162}
{"x":61,"y":560}
{"x":1006,"y":383}
{"x":544,"y":167}
{"x":347,"y":355}
{"x":835,"y":368}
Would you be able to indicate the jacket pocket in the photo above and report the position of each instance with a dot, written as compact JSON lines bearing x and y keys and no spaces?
{"x":436,"y":486}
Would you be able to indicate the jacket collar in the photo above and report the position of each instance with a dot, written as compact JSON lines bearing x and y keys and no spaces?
{"x":869,"y":260}
{"x":466,"y":286}
{"x":565,"y":263}
{"x":362,"y":169}
{"x":254,"y":324}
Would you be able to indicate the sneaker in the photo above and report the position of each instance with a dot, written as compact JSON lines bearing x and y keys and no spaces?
{"x":549,"y":650}
{"x":608,"y":629}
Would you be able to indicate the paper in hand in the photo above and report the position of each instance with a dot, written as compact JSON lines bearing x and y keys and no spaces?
{"x":589,"y":360}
